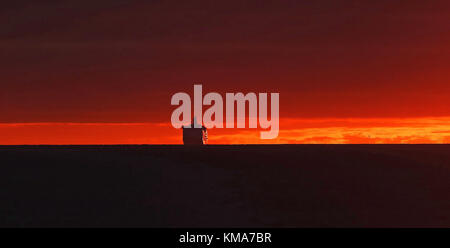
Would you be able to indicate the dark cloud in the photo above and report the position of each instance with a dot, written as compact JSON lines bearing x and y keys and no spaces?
{"x":122,"y":60}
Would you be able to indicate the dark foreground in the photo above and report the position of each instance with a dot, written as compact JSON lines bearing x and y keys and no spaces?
{"x":225,"y":186}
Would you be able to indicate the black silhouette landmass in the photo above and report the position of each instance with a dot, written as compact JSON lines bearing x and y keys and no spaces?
{"x":225,"y":186}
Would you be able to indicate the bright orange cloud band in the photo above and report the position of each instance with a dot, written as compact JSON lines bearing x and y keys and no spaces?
{"x":292,"y":131}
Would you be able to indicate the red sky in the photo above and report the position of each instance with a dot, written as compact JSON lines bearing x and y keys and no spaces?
{"x":384,"y":64}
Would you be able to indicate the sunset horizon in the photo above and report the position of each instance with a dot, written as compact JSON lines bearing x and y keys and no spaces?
{"x":426,"y":130}
{"x":122,"y":64}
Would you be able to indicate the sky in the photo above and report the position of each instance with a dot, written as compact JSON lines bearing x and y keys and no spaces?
{"x":103,"y":72}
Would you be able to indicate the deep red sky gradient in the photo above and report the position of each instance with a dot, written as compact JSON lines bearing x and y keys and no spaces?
{"x":121,"y":61}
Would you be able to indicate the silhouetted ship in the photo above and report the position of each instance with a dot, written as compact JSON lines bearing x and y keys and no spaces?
{"x":195,"y":136}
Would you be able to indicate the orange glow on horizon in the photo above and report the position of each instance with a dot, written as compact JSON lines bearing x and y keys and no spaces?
{"x":430,"y":130}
